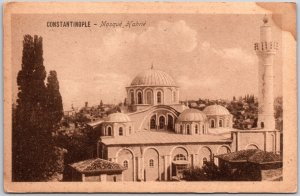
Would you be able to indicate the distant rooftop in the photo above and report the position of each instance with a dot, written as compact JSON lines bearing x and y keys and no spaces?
{"x":159,"y":137}
{"x":95,"y":123}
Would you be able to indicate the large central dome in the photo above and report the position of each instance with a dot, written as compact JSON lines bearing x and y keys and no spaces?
{"x":153,"y":77}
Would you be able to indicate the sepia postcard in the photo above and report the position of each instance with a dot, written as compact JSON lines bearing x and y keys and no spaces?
{"x":150,"y":97}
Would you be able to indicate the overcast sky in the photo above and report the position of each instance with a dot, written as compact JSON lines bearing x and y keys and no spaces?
{"x":209,"y":56}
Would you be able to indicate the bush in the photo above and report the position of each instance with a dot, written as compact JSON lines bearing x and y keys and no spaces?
{"x":195,"y":174}
{"x":208,"y":172}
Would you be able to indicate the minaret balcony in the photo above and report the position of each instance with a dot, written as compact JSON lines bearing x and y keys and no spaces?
{"x":266,"y":46}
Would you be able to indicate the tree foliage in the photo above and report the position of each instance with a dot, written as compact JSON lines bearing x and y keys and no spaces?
{"x":54,"y":99}
{"x":208,"y":172}
{"x":34,"y":156}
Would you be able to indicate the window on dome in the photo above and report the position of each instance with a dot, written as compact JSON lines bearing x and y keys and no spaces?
{"x":179,"y":157}
{"x":161,"y":122}
{"x":129,"y":129}
{"x":132,"y":97}
{"x":196,"y":129}
{"x":203,"y":129}
{"x":188,"y":129}
{"x":121,"y":131}
{"x":181,"y":128}
{"x":140,"y":98}
{"x":109,"y":131}
{"x":212,"y":123}
{"x":220,"y":123}
{"x":151,"y":163}
{"x":149,"y":97}
{"x":158,"y":97}
{"x":125,"y":164}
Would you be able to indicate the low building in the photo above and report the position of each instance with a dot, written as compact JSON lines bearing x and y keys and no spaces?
{"x":251,"y":165}
{"x":92,"y":170}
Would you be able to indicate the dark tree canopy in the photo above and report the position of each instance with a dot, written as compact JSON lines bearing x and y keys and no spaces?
{"x":54,"y":99}
{"x":34,"y":157}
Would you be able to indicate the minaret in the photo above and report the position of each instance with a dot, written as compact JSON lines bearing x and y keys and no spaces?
{"x":265,"y":50}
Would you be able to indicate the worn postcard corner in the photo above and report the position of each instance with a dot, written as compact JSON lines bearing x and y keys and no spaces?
{"x":150,"y":97}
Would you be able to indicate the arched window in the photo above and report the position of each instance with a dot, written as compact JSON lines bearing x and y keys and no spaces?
{"x":153,"y":122}
{"x":109,"y":131}
{"x":158,"y":97}
{"x":204,"y":160}
{"x":161,"y":122}
{"x":149,"y":97}
{"x":188,"y":129}
{"x":140,"y":98}
{"x":132,"y":97}
{"x":179,"y":157}
{"x":196,"y":129}
{"x":220,"y":123}
{"x":125,"y":164}
{"x":121,"y":131}
{"x":181,"y":128}
{"x":203,"y":129}
{"x":151,"y":163}
{"x":129,"y":129}
{"x":212,"y":123}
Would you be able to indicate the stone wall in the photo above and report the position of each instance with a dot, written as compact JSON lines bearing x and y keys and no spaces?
{"x":138,"y":158}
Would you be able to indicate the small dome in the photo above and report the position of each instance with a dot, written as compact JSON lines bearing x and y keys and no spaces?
{"x":192,"y":115}
{"x":153,"y":77}
{"x":118,"y":117}
{"x":216,"y":110}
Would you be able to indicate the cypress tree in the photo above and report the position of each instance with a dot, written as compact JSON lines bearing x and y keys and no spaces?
{"x":33,"y":153}
{"x":54,"y":99}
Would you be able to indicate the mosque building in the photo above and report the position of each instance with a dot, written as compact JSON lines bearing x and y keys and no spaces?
{"x":157,"y":138}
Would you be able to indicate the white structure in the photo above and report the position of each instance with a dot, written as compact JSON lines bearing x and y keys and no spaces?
{"x":117,"y":124}
{"x":152,"y":87}
{"x":266,"y":49}
{"x":191,"y":122}
{"x":218,"y":117}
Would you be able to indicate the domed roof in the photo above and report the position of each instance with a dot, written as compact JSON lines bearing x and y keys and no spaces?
{"x":192,"y":115}
{"x":152,"y":77}
{"x":118,"y":117}
{"x":216,"y":110}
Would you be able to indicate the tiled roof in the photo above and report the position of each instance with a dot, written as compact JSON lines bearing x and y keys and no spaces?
{"x":162,"y":137}
{"x":153,"y":77}
{"x":96,"y":165}
{"x":251,"y":155}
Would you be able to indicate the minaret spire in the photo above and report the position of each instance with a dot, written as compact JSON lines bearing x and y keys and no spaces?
{"x":265,"y":50}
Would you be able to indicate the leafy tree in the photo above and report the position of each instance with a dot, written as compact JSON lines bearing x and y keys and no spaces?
{"x":34,"y":157}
